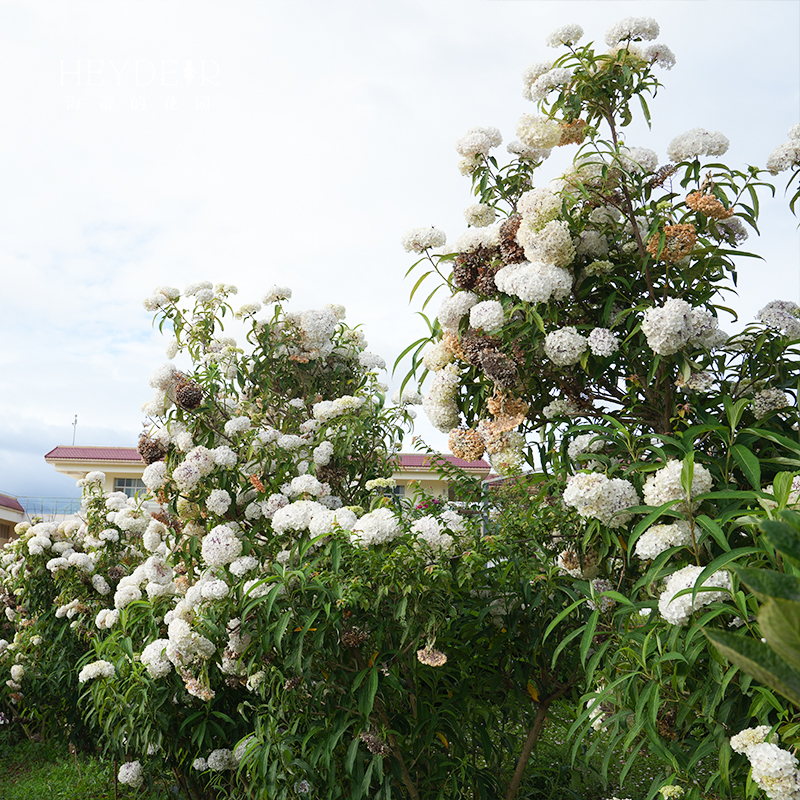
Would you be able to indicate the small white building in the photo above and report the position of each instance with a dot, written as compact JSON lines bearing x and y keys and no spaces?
{"x":123,"y":467}
{"x":11,"y":513}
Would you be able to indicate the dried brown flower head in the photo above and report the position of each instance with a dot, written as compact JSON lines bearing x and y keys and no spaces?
{"x":431,"y":657}
{"x":709,"y":205}
{"x":466,"y":444}
{"x":678,"y":243}
{"x":150,"y":450}
{"x":572,"y":132}
{"x":510,"y":251}
{"x":499,"y":368}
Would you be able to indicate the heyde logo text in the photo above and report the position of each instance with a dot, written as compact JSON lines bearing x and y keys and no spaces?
{"x":141,"y":72}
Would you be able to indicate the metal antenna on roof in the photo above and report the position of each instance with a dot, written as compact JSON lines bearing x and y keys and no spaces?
{"x":74,"y":428}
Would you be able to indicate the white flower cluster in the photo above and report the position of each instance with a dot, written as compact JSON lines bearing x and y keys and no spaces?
{"x":695,"y":143}
{"x":487,"y":315}
{"x":565,"y":346}
{"x":545,"y":83}
{"x":479,"y":215}
{"x":275,"y":294}
{"x":585,"y":443}
{"x":155,"y":659}
{"x":454,"y":308}
{"x":658,"y":538}
{"x":603,"y":342}
{"x":220,"y":546}
{"x":327,"y":410}
{"x":638,"y":159}
{"x":787,"y":155}
{"x":633,"y":29}
{"x":538,"y":207}
{"x":130,"y":773}
{"x":566,"y":35}
{"x":594,"y":495}
{"x":673,"y":326}
{"x":475,"y":238}
{"x":429,"y":530}
{"x":538,"y":133}
{"x":769,"y":400}
{"x":664,"y":485}
{"x":676,"y":610}
{"x":97,"y":669}
{"x":783,"y":315}
{"x":478,"y":141}
{"x":534,"y":282}
{"x":418,"y":240}
{"x":440,"y":402}
{"x":552,"y":244}
{"x":376,"y":527}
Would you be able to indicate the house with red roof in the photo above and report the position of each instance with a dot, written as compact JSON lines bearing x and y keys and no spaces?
{"x":123,"y":468}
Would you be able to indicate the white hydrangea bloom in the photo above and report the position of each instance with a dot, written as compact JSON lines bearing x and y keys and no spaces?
{"x":155,"y":659}
{"x":97,"y":669}
{"x":532,"y":74}
{"x":775,"y":771}
{"x":565,"y":346}
{"x":277,"y":293}
{"x":478,"y":141}
{"x":632,"y":29}
{"x":660,"y":55}
{"x":585,"y":443}
{"x":595,"y":496}
{"x":237,"y":425}
{"x":664,"y":485}
{"x":658,"y":538}
{"x":155,"y":475}
{"x":676,"y":610}
{"x":538,"y":207}
{"x":429,"y":530}
{"x":537,"y":132}
{"x":437,"y":357}
{"x":603,"y":342}
{"x":749,"y":737}
{"x":476,"y":238}
{"x":534,"y":282}
{"x":130,"y":773}
{"x":544,"y":84}
{"x":668,"y":328}
{"x":783,"y":315}
{"x":566,"y":35}
{"x":697,"y":142}
{"x":218,"y":502}
{"x":769,"y":400}
{"x":487,"y":315}
{"x":479,"y":215}
{"x":220,"y":546}
{"x":376,"y":527}
{"x":638,"y":159}
{"x":551,"y":245}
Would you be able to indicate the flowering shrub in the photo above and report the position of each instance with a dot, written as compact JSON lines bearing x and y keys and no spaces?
{"x":267,"y":616}
{"x":579,"y":338}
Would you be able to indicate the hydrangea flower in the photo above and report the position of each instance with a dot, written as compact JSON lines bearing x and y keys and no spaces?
{"x":676,"y":610}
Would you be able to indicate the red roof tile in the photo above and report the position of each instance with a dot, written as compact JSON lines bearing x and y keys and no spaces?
{"x":67,"y":453}
{"x":10,"y":502}
{"x":414,"y":461}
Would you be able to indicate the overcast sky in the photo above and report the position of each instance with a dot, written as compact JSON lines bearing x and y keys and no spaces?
{"x":254,"y":143}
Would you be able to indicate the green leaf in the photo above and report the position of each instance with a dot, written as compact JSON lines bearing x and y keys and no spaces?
{"x":748,"y":463}
{"x":780,"y":626}
{"x":783,"y":535}
{"x":588,"y":634}
{"x":766,"y":583}
{"x":758,"y":660}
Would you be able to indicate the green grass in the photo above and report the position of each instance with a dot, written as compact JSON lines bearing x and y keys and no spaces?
{"x":47,"y":771}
